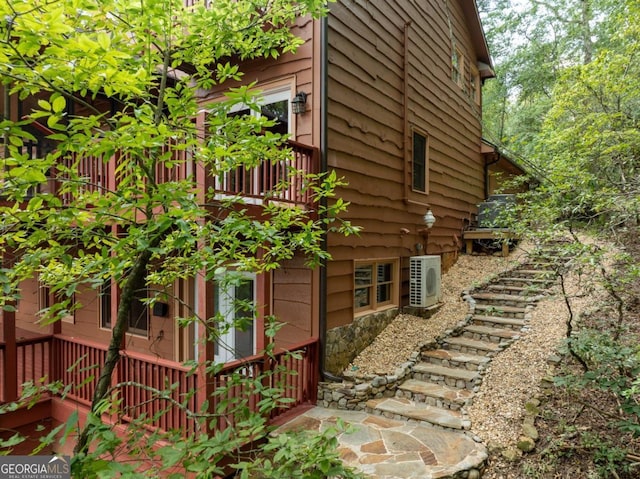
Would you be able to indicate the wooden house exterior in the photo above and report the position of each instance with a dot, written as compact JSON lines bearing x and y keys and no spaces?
{"x":404,"y":129}
{"x":155,"y":348}
{"x":393,"y":105}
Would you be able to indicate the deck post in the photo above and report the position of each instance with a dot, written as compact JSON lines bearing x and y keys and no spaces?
{"x":205,"y":348}
{"x":10,"y":363}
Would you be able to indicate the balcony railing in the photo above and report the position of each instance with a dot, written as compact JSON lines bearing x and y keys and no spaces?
{"x":32,"y":362}
{"x":136,"y":383}
{"x":294,"y":372}
{"x":284,"y":181}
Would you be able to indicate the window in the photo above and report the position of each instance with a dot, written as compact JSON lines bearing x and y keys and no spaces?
{"x":374,"y":284}
{"x":419,"y":162}
{"x":44,"y":302}
{"x":457,"y":66}
{"x":139,"y":312}
{"x":276,"y":106}
{"x":474,"y":85}
{"x":105,"y":305}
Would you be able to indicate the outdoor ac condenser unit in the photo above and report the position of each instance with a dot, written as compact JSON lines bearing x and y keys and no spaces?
{"x":424,"y":281}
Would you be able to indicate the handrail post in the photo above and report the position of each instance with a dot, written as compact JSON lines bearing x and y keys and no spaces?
{"x":10,"y":364}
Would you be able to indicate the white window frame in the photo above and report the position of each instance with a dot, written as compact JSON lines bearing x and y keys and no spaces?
{"x":271,"y":95}
{"x":225,"y":351}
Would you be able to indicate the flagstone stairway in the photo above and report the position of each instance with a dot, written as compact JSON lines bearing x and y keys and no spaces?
{"x":444,"y":379}
{"x":412,"y":424}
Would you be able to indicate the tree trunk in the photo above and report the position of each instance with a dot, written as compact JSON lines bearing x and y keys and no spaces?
{"x":585,"y":29}
{"x":137,"y":274}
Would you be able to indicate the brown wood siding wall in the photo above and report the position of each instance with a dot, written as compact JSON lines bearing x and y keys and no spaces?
{"x":296,"y":67}
{"x":292,"y":298}
{"x":86,"y":323}
{"x":366,"y":133}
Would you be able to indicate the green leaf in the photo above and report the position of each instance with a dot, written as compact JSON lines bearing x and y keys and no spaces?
{"x":59,"y":104}
{"x":44,"y":104}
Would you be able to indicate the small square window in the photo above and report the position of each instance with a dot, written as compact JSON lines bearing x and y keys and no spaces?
{"x":374,"y":285}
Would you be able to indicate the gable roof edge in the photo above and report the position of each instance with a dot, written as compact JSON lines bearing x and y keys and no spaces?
{"x":485,"y":64}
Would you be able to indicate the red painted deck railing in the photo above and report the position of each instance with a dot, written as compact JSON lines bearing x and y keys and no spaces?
{"x":179,"y":396}
{"x":75,"y":363}
{"x":294,"y":371}
{"x":284,"y":182}
{"x":32,"y":362}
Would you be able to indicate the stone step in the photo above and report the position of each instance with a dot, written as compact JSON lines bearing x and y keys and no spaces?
{"x":502,"y":311}
{"x":434,"y":394}
{"x":507,"y":280}
{"x":522,"y":290}
{"x":471,"y":346}
{"x":512,"y":323}
{"x":489,"y":333}
{"x":455,"y":359}
{"x":532,"y":273}
{"x":539,"y":265}
{"x":400,"y":408}
{"x":447,"y":376}
{"x":501,"y":299}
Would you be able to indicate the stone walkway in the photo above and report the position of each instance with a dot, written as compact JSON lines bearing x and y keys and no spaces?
{"x":388,"y":448}
{"x":419,"y":428}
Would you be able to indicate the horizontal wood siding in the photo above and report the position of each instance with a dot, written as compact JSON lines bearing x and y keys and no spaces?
{"x":293,"y":302}
{"x":366,"y":133}
{"x":297,"y":67}
{"x":86,"y":323}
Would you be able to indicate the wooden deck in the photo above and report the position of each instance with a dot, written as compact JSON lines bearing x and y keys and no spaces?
{"x":33,"y":358}
{"x":152,"y":388}
{"x":499,"y":234}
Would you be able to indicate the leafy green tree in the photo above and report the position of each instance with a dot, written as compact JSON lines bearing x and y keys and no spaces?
{"x":588,"y":150}
{"x":146,"y":61}
{"x":590,"y":140}
{"x":532,"y":43}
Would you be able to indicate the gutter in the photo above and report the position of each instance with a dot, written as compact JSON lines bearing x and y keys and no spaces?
{"x":324,"y":76}
{"x":487,"y":164}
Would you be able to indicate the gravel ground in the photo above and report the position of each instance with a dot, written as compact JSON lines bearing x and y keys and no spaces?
{"x":514,"y":376}
{"x":406,"y":333}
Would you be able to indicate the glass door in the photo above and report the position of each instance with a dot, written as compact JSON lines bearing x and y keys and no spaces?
{"x":235,"y":306}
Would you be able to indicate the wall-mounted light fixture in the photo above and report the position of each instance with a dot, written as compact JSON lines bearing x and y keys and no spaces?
{"x":299,"y":103}
{"x":429,"y":219}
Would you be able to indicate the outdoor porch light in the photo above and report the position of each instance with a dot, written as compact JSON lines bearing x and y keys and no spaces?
{"x":299,"y":103}
{"x":429,"y":219}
